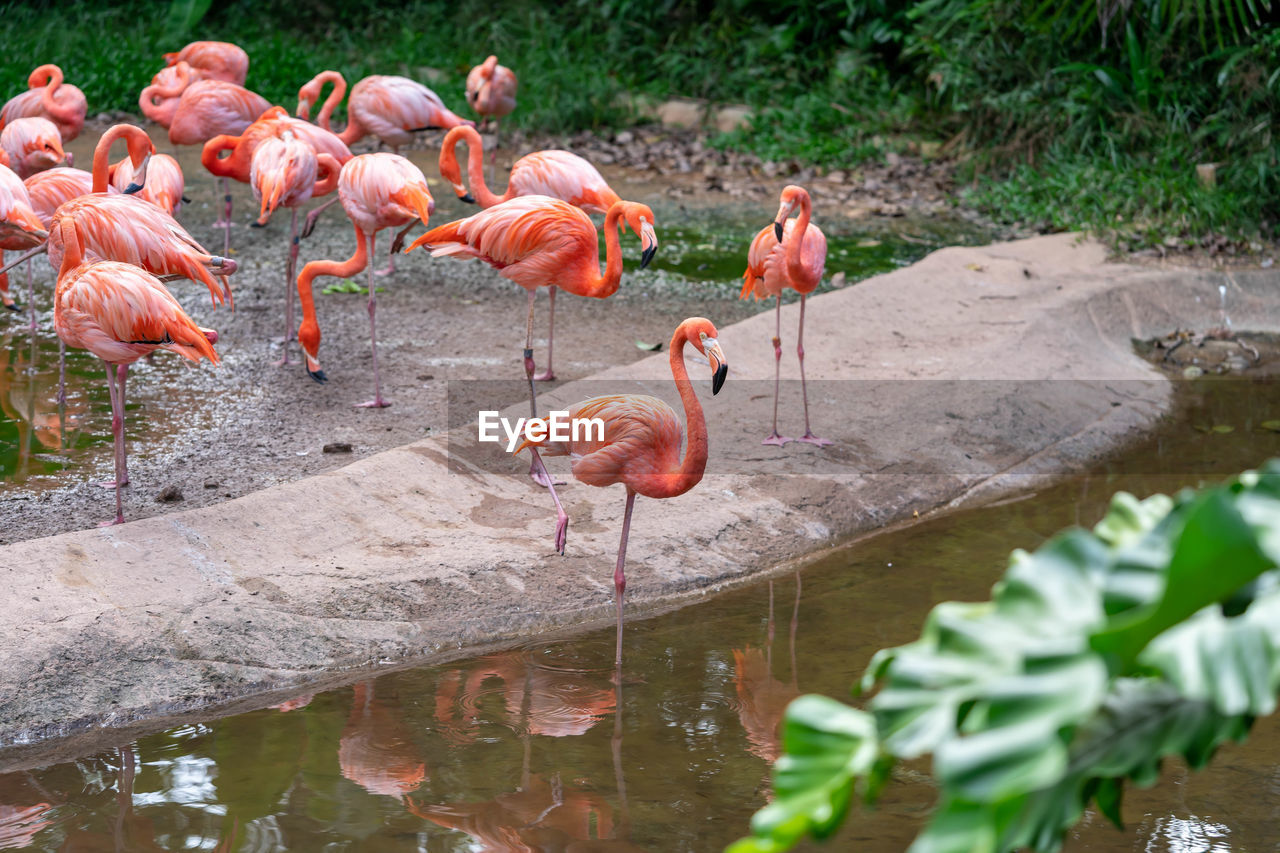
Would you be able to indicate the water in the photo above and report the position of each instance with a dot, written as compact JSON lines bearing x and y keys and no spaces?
{"x":543,"y":747}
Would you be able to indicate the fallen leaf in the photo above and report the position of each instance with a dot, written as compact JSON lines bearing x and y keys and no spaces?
{"x":1270,"y":426}
{"x":975,"y":267}
{"x":648,"y":347}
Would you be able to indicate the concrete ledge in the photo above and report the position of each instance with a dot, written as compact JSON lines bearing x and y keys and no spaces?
{"x":411,"y":555}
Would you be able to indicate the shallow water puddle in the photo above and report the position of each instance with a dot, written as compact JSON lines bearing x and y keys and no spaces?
{"x":544,"y":747}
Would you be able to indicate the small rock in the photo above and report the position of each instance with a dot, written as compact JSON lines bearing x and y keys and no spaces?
{"x":338,"y":447}
{"x":169,"y":494}
{"x":211,"y":484}
{"x":731,"y":118}
{"x":626,"y":137}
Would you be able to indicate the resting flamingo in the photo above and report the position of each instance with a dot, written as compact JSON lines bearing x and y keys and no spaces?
{"x":555,"y":173}
{"x":491,"y":91}
{"x":287,"y":171}
{"x":538,"y":241}
{"x":377,"y":191}
{"x":50,"y":98}
{"x":211,"y":108}
{"x":215,"y":60}
{"x":32,"y":145}
{"x":641,"y":443}
{"x":20,"y":229}
{"x":781,"y":256}
{"x":390,"y":108}
{"x":159,"y":100}
{"x":119,"y":313}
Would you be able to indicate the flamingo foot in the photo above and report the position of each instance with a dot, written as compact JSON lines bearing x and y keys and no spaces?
{"x":111,"y":484}
{"x":386,"y":271}
{"x":284,"y":361}
{"x":119,"y":519}
{"x":376,"y":403}
{"x":545,"y":376}
{"x":777,"y":440}
{"x":221,"y":224}
{"x":810,"y":438}
{"x":546,"y":482}
{"x":562,"y":532}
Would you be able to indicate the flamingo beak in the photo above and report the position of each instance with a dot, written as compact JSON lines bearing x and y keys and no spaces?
{"x":719,"y":364}
{"x":140,"y":178}
{"x":304,"y":108}
{"x":467,"y":197}
{"x":777,"y":230}
{"x":648,"y":242}
{"x":313,"y":369}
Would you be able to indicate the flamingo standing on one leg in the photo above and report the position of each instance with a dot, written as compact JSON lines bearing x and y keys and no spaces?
{"x":377,"y":191}
{"x":20,"y":228}
{"x":491,"y":92}
{"x":539,"y":241}
{"x":215,"y":60}
{"x":781,"y":256}
{"x":210,"y":108}
{"x":119,"y":313}
{"x":641,"y":443}
{"x":32,"y":144}
{"x":50,"y":98}
{"x":286,"y":171}
{"x":555,"y":173}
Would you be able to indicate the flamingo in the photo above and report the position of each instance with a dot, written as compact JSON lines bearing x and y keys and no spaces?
{"x":210,"y":108}
{"x":119,"y":313}
{"x":285,"y":171}
{"x":164,"y":181}
{"x":159,"y":100}
{"x":20,"y":228}
{"x":216,"y":60}
{"x":376,"y":748}
{"x":32,"y":144}
{"x":781,"y":256}
{"x":491,"y":91}
{"x":390,"y":108}
{"x":377,"y":191}
{"x":555,"y":173}
{"x":641,"y":443}
{"x":539,"y":241}
{"x":50,"y":98}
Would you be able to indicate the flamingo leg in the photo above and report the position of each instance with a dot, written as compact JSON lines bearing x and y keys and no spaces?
{"x":389,"y":268}
{"x":62,"y":372}
{"x":549,"y":374}
{"x":396,"y":245}
{"x":774,"y":437}
{"x":808,"y":437}
{"x":31,"y":296}
{"x":224,"y":220}
{"x":537,"y":471}
{"x":310,"y":224}
{"x":377,"y":402}
{"x":562,"y":518}
{"x":619,"y":575}
{"x":289,"y":290}
{"x":117,"y":431}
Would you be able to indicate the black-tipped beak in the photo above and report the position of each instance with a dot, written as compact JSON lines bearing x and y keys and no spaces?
{"x":717,"y":381}
{"x":257,"y":225}
{"x":318,"y":375}
{"x":777,"y":231}
{"x":186,"y":200}
{"x":132,"y":188}
{"x":468,"y":198}
{"x":14,"y":307}
{"x":647,"y":255}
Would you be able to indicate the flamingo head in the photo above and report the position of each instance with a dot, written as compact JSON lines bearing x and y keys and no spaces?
{"x":701,"y":332}
{"x":309,"y":340}
{"x":792,"y":197}
{"x":40,"y":77}
{"x":640,"y":219}
{"x":140,"y":150}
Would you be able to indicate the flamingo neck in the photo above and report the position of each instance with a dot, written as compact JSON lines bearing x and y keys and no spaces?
{"x":795,"y":266}
{"x":689,"y":473}
{"x":72,"y":254}
{"x":309,"y":331}
{"x":475,"y":170}
{"x":101,"y":168}
{"x":336,"y":95}
{"x":48,"y":100}
{"x":607,"y":285}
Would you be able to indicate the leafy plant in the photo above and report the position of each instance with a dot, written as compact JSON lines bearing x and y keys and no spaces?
{"x":1101,"y":653}
{"x":347,"y":286}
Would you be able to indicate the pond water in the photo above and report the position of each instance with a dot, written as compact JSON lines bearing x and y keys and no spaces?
{"x":544,"y":747}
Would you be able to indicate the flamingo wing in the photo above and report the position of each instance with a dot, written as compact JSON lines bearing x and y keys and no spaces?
{"x":53,"y":188}
{"x":642,"y":438}
{"x":563,"y":175}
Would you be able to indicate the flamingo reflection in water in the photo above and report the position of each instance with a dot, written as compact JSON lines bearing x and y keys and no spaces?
{"x":376,"y":750}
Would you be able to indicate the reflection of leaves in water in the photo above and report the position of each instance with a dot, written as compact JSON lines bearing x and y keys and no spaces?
{"x":1220,"y":429}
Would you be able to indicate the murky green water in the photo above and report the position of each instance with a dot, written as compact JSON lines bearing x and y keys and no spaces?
{"x":541,"y":748}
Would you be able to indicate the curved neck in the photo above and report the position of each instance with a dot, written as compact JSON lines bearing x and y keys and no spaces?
{"x":475,"y":166}
{"x":72,"y":256}
{"x":222,"y":167}
{"x":607,"y":285}
{"x":49,"y":76}
{"x":795,"y":266}
{"x":309,"y":331}
{"x":335,"y":96}
{"x":682,"y":479}
{"x":101,"y":168}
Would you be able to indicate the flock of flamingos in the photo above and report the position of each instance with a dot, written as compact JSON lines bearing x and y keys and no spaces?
{"x":112,"y":238}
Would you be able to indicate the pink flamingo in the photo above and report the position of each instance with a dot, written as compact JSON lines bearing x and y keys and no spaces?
{"x":791,"y":256}
{"x":50,"y":98}
{"x":209,"y":108}
{"x":377,"y":191}
{"x":286,"y":171}
{"x":555,"y":173}
{"x":641,"y":443}
{"x":539,"y":241}
{"x":215,"y":60}
{"x":32,"y":145}
{"x":20,"y":229}
{"x":390,"y":108}
{"x":159,"y":100}
{"x":491,"y":91}
{"x":164,"y":181}
{"x":119,"y":313}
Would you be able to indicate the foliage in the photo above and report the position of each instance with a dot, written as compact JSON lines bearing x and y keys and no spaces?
{"x":1101,"y":653}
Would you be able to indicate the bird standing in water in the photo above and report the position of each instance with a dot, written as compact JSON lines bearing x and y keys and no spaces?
{"x":787,"y":253}
{"x":640,"y":447}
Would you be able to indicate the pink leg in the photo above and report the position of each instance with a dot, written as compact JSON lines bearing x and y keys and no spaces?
{"x":310,"y":224}
{"x":774,"y":437}
{"x":562,"y":518}
{"x":377,"y":402}
{"x":62,"y":372}
{"x":225,"y":220}
{"x":288,"y":292}
{"x":396,"y":245}
{"x":537,"y":472}
{"x":808,"y":436}
{"x":117,"y":431}
{"x":549,"y":374}
{"x":619,"y":576}
{"x":31,"y":295}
